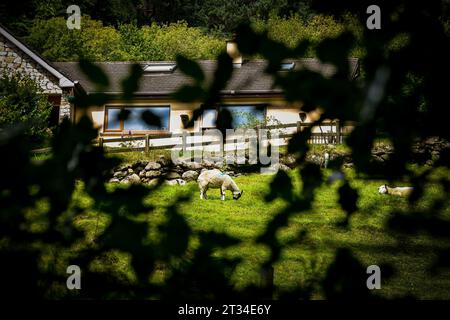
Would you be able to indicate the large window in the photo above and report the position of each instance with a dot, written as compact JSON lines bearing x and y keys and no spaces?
{"x":135,"y":122}
{"x":243,"y":115}
{"x":246,"y":115}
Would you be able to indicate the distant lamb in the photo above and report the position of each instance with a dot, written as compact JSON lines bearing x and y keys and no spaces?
{"x":398,"y":191}
{"x":215,"y":179}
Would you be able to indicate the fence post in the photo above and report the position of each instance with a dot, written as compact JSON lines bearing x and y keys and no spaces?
{"x":147,"y":143}
{"x":100,"y":142}
{"x":299,"y":126}
{"x":184,"y":142}
{"x":338,"y":132}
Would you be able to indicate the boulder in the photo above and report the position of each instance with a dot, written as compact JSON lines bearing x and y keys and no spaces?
{"x":139,"y":165}
{"x":190,"y":175}
{"x":208,"y":164}
{"x":192,"y":165}
{"x":280,"y":166}
{"x":152,"y":174}
{"x":175,"y":182}
{"x":218,"y":165}
{"x":173,"y":175}
{"x":152,"y":166}
{"x":171,"y":182}
{"x":120,"y":174}
{"x":134,"y":178}
{"x":163,"y":161}
{"x":290,"y":161}
{"x":114,"y":180}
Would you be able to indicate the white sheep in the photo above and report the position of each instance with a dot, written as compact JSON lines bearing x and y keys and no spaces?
{"x":397,"y":191}
{"x":215,"y":179}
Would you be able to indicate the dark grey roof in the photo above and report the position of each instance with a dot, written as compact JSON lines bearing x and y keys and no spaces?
{"x":248,"y":79}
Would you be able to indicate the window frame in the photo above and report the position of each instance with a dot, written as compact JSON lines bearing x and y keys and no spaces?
{"x":121,"y":130}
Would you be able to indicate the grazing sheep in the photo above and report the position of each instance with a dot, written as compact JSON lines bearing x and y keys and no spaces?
{"x":216,"y":179}
{"x":398,"y":191}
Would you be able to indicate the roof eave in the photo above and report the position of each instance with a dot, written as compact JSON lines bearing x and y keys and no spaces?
{"x":63,"y":81}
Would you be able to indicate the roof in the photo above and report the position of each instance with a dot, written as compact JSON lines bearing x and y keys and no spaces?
{"x":249,"y":79}
{"x":64,"y":82}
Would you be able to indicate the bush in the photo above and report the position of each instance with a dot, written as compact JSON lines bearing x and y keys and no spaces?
{"x":22,"y":103}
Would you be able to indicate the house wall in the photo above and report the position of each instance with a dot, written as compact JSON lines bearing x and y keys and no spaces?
{"x":14,"y":61}
{"x":277,"y":109}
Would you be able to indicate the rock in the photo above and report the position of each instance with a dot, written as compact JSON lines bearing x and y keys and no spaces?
{"x":130,"y":171}
{"x":139,"y":165}
{"x":192,"y":165}
{"x":171,"y":182}
{"x":290,"y":161}
{"x":190,"y":175}
{"x":124,"y":167}
{"x":142,"y":173}
{"x":218,"y":165}
{"x":114,"y":180}
{"x":134,"y":178}
{"x":119,"y":174}
{"x":208,"y":164}
{"x":152,"y":166}
{"x":173,"y":175}
{"x":152,"y":182}
{"x":175,"y":182}
{"x":152,"y":174}
{"x":163,"y":161}
{"x":280,"y":166}
{"x":178,"y":169}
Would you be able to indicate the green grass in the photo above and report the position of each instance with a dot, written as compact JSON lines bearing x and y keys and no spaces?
{"x":367,"y":235}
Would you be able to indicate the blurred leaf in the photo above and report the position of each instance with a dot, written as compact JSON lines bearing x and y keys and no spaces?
{"x":94,"y":73}
{"x":190,"y":68}
{"x":189,"y":94}
{"x":131,"y":84}
{"x":151,"y":119}
{"x":281,"y":186}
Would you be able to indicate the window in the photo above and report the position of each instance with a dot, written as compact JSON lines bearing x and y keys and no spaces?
{"x":209,"y":118}
{"x":135,"y":122}
{"x":160,"y":68}
{"x":243,"y":115}
{"x":113,"y":122}
{"x":246,"y":115}
{"x":287,"y":66}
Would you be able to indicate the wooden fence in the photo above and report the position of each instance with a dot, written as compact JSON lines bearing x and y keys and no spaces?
{"x":326,"y":133}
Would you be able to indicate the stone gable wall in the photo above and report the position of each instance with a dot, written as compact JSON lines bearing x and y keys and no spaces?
{"x":13,"y":60}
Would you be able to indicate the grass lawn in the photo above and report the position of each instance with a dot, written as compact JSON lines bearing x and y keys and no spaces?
{"x":366,"y":236}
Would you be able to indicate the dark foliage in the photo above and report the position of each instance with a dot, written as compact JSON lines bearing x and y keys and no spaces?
{"x":405,"y":110}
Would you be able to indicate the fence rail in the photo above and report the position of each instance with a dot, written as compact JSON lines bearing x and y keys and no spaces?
{"x":334,"y":135}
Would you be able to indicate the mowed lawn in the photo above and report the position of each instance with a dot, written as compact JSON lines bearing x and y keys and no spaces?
{"x":367,"y":236}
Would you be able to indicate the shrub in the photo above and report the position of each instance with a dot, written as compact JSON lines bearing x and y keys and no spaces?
{"x":22,"y":103}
